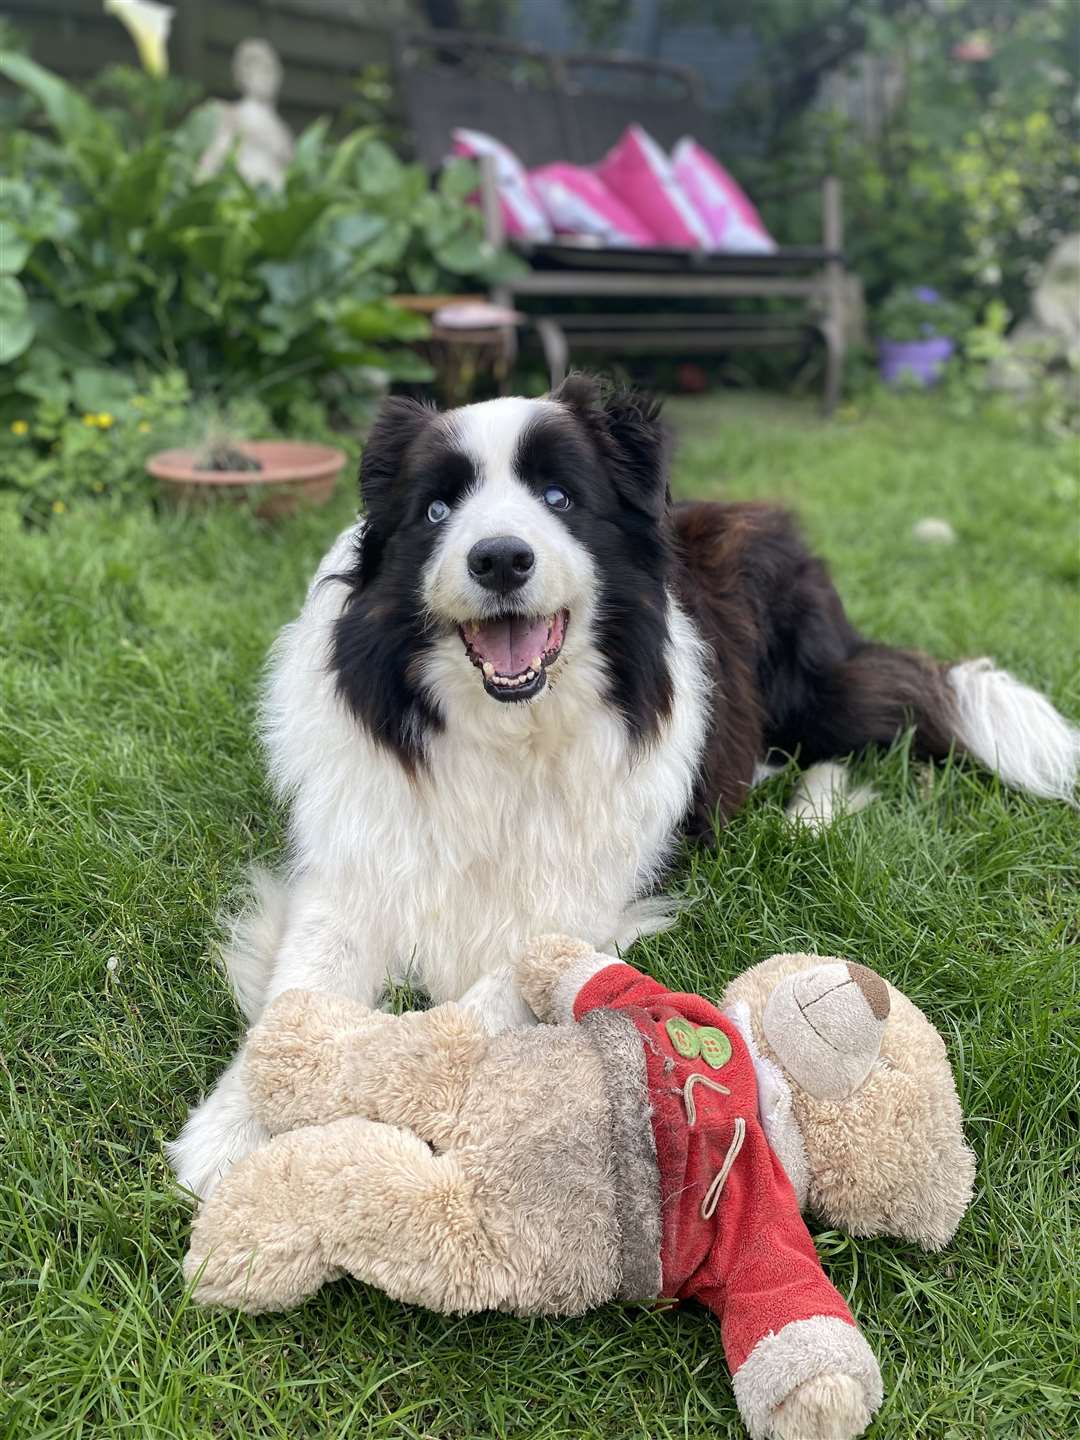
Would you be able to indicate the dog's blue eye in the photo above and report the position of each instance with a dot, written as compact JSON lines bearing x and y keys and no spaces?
{"x":437,"y":511}
{"x":556,"y":498}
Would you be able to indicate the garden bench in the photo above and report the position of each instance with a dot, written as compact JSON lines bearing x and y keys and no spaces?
{"x":574,"y":107}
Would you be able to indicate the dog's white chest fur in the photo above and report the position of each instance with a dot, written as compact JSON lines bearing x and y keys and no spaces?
{"x":526,"y":819}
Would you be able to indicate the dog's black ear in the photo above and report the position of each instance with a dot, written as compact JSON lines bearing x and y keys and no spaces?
{"x":627,"y":426}
{"x":633,"y":420}
{"x":399,"y":422}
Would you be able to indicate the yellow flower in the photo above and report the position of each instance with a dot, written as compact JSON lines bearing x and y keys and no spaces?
{"x":104,"y":420}
{"x":144,"y":427}
{"x":89,"y":419}
{"x":58,"y":507}
{"x":148,"y":24}
{"x":19,"y":427}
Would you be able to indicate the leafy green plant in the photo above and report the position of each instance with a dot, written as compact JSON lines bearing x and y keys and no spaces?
{"x":88,"y":436}
{"x":972,"y":175}
{"x":80,"y":436}
{"x":920,"y":313}
{"x":117,"y":259}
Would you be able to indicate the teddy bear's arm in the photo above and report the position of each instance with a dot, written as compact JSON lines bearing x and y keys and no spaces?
{"x":555,"y":969}
{"x":315,"y":1058}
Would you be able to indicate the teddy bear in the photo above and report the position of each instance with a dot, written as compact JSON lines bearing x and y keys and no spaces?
{"x":637,"y":1144}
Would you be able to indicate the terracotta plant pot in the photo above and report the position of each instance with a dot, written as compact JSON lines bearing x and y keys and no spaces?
{"x":294,"y":473}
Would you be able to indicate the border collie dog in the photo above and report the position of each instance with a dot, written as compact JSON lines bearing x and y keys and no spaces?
{"x":521,"y":677}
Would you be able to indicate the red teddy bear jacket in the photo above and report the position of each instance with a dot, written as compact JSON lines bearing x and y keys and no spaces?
{"x":731,"y":1233}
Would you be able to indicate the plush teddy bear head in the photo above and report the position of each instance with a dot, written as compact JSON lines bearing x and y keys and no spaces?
{"x":864,"y":1110}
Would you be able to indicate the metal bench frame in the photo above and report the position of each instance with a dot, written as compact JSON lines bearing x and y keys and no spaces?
{"x":450,"y":79}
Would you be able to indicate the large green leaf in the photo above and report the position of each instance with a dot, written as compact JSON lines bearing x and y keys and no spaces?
{"x":349,"y":155}
{"x":98,"y":388}
{"x":310,"y":153}
{"x":74,"y":336}
{"x":16,"y":323}
{"x":41,"y":376}
{"x":72,"y":117}
{"x":458,"y":179}
{"x":14,"y":250}
{"x":138,"y":185}
{"x":381,"y":172}
{"x":282,"y":226}
{"x":383,"y":320}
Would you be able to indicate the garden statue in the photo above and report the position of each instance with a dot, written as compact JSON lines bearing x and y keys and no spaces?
{"x":1050,"y":335}
{"x":250,"y":128}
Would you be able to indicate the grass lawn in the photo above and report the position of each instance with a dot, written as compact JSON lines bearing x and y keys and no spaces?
{"x":131,"y":800}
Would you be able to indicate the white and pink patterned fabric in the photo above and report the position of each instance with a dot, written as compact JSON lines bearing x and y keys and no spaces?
{"x":523,"y":212}
{"x":638,"y":173}
{"x":734,"y":225}
{"x":579,"y":203}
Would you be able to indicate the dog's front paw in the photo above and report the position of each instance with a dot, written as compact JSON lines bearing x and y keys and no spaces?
{"x":828,"y":1407}
{"x":497,"y":1002}
{"x":219,"y":1131}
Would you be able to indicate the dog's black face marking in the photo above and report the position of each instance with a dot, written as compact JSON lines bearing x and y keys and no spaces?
{"x":608,"y":455}
{"x":382,"y":636}
{"x":597,"y":465}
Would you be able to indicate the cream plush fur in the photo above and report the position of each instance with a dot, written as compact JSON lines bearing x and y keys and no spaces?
{"x":466,"y":1171}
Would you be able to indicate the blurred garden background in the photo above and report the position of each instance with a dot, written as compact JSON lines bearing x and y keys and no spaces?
{"x":156,"y":291}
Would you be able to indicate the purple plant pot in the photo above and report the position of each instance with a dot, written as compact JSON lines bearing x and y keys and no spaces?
{"x":902,"y":361}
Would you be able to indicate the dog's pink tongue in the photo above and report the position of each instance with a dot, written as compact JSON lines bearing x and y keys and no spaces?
{"x":511,"y":644}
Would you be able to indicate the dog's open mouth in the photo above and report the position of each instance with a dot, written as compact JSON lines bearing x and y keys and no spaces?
{"x":513,"y":652}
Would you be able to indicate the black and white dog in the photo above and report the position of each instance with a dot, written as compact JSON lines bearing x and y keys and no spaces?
{"x":517,"y":681}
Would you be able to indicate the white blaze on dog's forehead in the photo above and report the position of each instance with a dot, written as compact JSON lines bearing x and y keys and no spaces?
{"x":490,"y":431}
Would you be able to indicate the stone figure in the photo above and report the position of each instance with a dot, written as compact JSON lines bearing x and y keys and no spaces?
{"x":250,"y":127}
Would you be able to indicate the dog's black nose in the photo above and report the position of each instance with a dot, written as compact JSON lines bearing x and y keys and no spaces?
{"x":502,"y":563}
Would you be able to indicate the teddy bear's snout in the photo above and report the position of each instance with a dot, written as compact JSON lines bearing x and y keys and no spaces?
{"x":826,"y":1025}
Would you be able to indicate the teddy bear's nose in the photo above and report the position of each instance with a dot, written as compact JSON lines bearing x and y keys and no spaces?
{"x":875,"y":991}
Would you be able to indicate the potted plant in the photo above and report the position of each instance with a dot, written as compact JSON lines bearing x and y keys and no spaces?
{"x":276,"y":476}
{"x":917,"y":331}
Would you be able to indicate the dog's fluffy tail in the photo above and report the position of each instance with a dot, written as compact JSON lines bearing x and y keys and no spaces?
{"x":972,"y":707}
{"x":1014,"y":730}
{"x":253,"y":938}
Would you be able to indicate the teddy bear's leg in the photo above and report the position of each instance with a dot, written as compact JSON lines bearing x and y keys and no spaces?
{"x":828,"y":1407}
{"x":350,"y":1197}
{"x":314,"y":1058}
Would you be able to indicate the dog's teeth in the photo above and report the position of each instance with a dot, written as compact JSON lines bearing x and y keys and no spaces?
{"x":489,"y":669}
{"x":531,"y":674}
{"x":537,"y":663}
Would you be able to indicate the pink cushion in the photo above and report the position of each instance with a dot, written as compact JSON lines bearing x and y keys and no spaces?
{"x":522,"y":211}
{"x":579,"y":203}
{"x":733,"y":223}
{"x":639,"y":174}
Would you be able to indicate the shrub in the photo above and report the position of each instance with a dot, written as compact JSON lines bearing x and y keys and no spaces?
{"x":75,"y":438}
{"x":919,"y":312}
{"x":117,"y":261}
